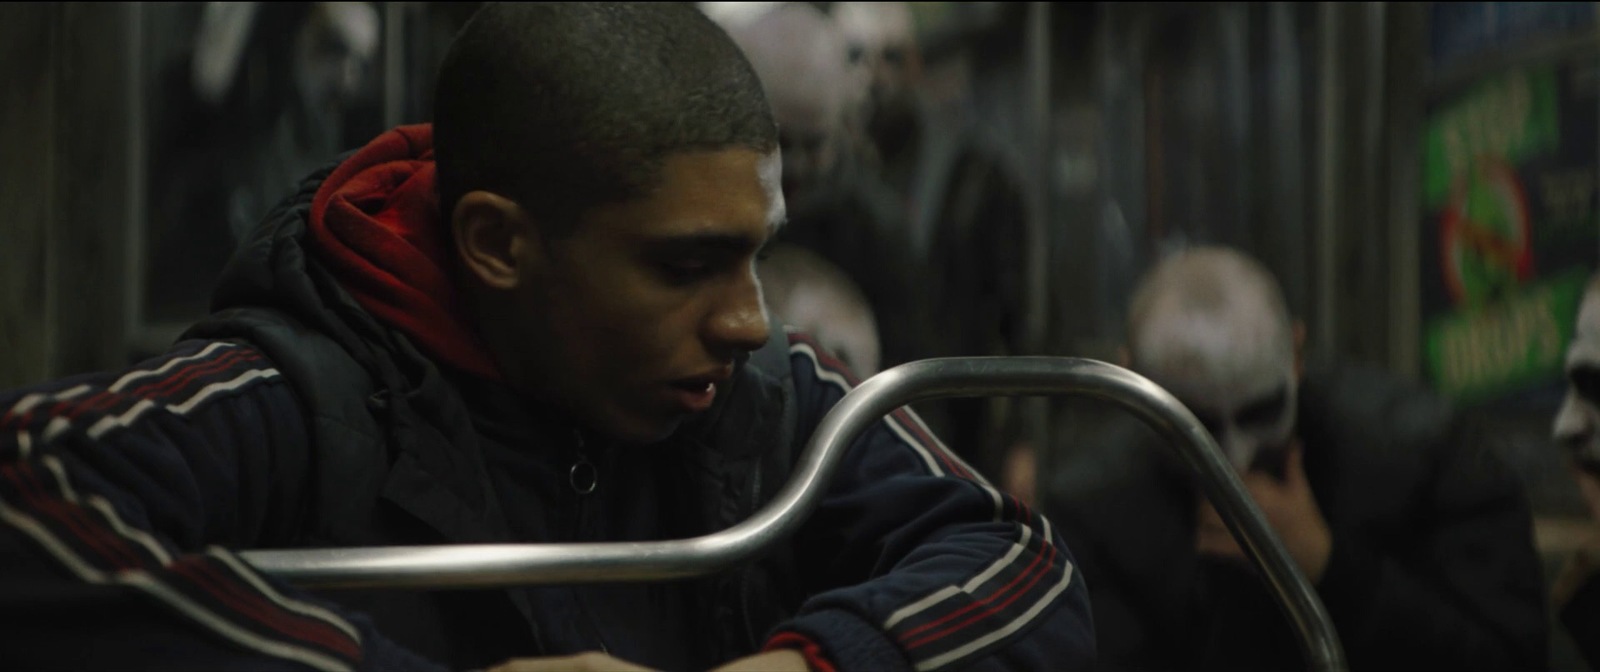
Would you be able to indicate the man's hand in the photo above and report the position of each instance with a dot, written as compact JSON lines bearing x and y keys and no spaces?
{"x":779,"y":660}
{"x":1290,"y":509}
{"x":593,"y":661}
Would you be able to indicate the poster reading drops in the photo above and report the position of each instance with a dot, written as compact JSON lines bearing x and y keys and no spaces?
{"x":1511,"y":229}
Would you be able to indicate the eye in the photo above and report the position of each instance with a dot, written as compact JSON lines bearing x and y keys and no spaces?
{"x":1586,"y":380}
{"x":683,"y":271}
{"x":1266,"y":411}
{"x":1210,"y":422}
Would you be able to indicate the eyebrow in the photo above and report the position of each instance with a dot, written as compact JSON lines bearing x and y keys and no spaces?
{"x":726,"y":242}
{"x":1279,"y":396}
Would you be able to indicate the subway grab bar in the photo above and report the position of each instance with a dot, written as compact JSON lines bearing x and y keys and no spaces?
{"x":501,"y":565}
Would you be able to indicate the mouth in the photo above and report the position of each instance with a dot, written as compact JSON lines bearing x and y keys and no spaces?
{"x":696,"y":394}
{"x":1587,"y":461}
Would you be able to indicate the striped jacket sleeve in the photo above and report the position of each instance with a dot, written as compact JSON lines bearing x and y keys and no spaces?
{"x":118,"y":493}
{"x":914,"y":561}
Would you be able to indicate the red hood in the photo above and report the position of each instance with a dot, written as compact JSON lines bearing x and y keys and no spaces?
{"x":375,"y":224}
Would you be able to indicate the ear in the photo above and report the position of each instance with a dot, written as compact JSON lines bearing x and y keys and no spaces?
{"x":1298,"y":327}
{"x":493,"y":237}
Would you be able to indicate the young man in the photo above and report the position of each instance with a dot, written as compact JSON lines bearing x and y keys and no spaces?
{"x":536,"y":320}
{"x":1417,"y":539}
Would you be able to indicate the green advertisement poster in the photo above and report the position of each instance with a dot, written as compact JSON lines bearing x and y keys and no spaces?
{"x":1511,"y":228}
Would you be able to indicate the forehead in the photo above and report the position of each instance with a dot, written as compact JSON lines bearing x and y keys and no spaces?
{"x":727,"y":191}
{"x":876,"y":24}
{"x":803,"y":64}
{"x":1214,"y":361}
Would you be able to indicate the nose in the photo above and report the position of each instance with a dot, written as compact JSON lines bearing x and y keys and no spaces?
{"x":739,"y":322}
{"x":1240,"y":450}
{"x":1573,"y":428}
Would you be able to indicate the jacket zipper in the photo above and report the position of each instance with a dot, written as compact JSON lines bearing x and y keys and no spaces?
{"x":584,"y":478}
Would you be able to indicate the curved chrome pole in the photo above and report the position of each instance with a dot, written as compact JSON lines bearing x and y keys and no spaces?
{"x":491,"y":565}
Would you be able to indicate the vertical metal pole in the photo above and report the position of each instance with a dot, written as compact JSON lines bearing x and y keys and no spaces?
{"x":1330,"y":155}
{"x":394,"y":57}
{"x":1369,"y":221}
{"x":1036,"y":410}
{"x":1405,"y":67}
{"x":138,"y":214}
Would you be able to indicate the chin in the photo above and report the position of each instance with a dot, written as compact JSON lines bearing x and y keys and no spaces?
{"x":639,"y":431}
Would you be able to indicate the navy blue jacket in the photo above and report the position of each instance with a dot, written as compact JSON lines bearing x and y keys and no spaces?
{"x":124,"y":495}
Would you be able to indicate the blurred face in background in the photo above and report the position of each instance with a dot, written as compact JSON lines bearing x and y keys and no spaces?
{"x":809,"y":293}
{"x":1209,"y":326}
{"x":1579,"y":417}
{"x":881,"y":40}
{"x":334,"y":53}
{"x":802,"y":60}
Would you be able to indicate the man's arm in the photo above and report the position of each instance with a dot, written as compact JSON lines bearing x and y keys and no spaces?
{"x":117,"y":493}
{"x":1471,"y":598}
{"x":915,"y":562}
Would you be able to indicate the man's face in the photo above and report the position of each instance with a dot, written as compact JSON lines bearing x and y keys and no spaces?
{"x":1236,"y":374}
{"x":635,"y":320}
{"x":1579,"y":417}
{"x":810,"y":153}
{"x":881,"y":40}
{"x":334,"y":53}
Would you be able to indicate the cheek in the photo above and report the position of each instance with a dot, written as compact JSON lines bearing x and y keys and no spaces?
{"x":641,"y":328}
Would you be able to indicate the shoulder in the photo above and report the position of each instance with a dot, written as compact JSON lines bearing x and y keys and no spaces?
{"x":820,"y":378}
{"x":184,"y":382}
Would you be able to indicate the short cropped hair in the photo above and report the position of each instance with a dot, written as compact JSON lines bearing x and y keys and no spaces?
{"x":565,"y":106}
{"x":1213,"y":281}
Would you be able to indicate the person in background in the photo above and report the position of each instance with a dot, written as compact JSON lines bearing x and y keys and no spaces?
{"x":816,"y":298}
{"x":1575,"y":594}
{"x":839,"y":214}
{"x":1417,"y":539}
{"x":962,"y":214}
{"x":265,"y":95}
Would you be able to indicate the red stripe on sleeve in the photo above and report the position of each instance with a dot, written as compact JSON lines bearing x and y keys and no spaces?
{"x":808,"y":649}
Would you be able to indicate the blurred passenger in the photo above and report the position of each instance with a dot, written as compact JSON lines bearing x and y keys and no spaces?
{"x":963,"y":222}
{"x":534,"y":320}
{"x":1418,"y":540}
{"x":1576,"y":593}
{"x":801,"y":58}
{"x":815,"y":297}
{"x":836,"y":210}
{"x":263,"y":98}
{"x":882,"y":41}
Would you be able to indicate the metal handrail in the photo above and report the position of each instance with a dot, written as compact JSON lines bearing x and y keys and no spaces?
{"x":499,"y":565}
